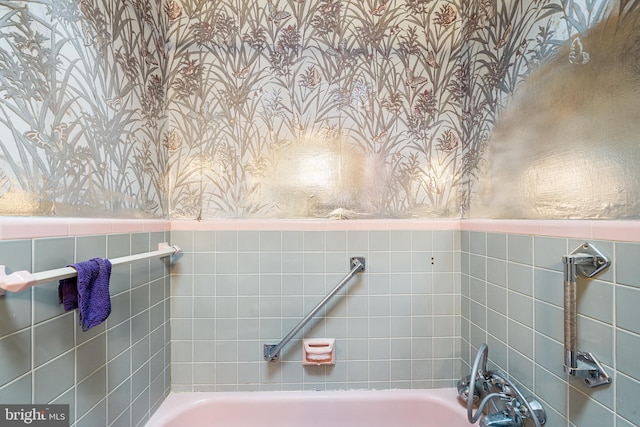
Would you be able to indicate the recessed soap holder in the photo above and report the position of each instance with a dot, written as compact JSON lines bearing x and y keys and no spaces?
{"x":319,"y":351}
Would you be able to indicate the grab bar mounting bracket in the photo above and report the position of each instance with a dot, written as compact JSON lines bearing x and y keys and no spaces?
{"x":589,"y":261}
{"x":590,"y":370}
{"x":357,"y":261}
{"x":269,"y":352}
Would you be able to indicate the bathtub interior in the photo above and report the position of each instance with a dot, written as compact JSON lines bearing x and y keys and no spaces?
{"x":370,"y":408}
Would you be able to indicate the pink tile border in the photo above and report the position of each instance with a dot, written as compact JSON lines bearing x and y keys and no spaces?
{"x":626,"y":231}
{"x":314,"y":225}
{"x":39,"y":227}
{"x":28,"y":227}
{"x":612,"y":230}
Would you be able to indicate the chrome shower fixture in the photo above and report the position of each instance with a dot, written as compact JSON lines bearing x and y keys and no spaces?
{"x":509,"y":408}
{"x":585,"y":261}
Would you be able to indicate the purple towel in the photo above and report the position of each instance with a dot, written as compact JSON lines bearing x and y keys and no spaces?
{"x":89,"y":291}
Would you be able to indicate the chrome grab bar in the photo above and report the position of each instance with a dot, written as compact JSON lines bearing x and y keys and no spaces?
{"x":585,"y":261}
{"x":272,"y":351}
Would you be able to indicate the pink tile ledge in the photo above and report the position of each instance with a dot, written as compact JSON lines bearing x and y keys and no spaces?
{"x":41,"y":227}
{"x":625,"y":231}
{"x":314,"y":225}
{"x":32,"y":227}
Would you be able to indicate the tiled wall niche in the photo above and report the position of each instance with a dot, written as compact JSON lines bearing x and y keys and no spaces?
{"x":396,"y":325}
{"x":512,"y":299}
{"x":115,"y":374}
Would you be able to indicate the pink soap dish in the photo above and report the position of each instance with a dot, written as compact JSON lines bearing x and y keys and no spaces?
{"x":318,"y":351}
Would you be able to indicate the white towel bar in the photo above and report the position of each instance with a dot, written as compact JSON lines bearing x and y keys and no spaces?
{"x":22,"y":280}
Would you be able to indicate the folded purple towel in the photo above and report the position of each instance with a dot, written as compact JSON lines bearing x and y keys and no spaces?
{"x":89,"y":291}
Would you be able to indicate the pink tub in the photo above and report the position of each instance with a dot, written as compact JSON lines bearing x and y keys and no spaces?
{"x":380,"y":408}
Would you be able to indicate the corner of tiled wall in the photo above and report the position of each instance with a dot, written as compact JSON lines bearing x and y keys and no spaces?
{"x":512,"y":299}
{"x":114,"y":374}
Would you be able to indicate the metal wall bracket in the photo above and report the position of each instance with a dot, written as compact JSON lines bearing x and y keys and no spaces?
{"x":357,"y":262}
{"x":585,"y":261}
{"x":588,"y":259}
{"x":590,"y":370}
{"x":269,"y":354}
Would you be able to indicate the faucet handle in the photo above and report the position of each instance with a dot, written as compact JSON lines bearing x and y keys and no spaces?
{"x":538,"y":411}
{"x":501,"y":419}
{"x":463,"y":389}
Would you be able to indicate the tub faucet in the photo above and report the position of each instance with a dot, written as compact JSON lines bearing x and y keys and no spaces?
{"x":501,"y":419}
{"x":509,"y":406}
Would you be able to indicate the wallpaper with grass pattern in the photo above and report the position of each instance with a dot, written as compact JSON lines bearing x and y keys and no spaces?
{"x":265,"y":108}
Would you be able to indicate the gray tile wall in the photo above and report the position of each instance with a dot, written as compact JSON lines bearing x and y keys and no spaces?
{"x":427,"y":300}
{"x":115,"y":374}
{"x":396,"y":325}
{"x":512,"y":299}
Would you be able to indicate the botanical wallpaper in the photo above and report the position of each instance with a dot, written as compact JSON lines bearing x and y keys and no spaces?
{"x":266,"y":108}
{"x":83,"y":107}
